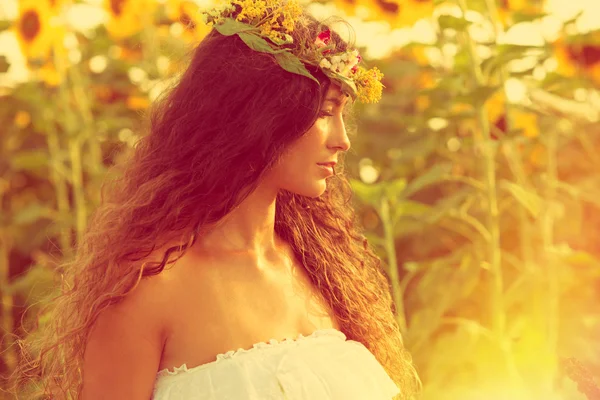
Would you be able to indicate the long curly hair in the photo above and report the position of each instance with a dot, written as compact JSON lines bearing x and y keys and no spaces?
{"x":209,"y":140}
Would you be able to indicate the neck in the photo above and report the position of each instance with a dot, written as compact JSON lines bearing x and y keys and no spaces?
{"x":248,"y":230}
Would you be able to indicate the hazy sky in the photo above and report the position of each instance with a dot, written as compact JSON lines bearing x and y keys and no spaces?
{"x":375,"y":36}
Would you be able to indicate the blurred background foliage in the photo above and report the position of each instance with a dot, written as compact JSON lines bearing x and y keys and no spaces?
{"x":476,"y":176}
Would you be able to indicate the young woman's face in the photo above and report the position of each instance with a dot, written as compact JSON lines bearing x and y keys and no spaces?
{"x":298,"y":170}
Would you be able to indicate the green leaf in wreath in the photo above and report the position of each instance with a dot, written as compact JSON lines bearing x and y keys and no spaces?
{"x":347,"y":84}
{"x":292,"y":64}
{"x":280,"y":42}
{"x":230,"y":27}
{"x":257,"y":43}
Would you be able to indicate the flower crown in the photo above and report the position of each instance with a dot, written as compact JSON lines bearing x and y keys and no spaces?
{"x":265,"y":26}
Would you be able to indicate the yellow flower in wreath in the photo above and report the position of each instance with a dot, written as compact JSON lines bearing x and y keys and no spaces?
{"x":34,"y":30}
{"x":128,"y":17}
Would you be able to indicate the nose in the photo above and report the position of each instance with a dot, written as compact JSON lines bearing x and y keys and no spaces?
{"x":339,"y":138}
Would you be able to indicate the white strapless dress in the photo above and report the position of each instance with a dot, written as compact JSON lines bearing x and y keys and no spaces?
{"x":321,"y":366}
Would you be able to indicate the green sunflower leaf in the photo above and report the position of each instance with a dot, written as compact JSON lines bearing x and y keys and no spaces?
{"x":4,"y":64}
{"x":5,"y":24}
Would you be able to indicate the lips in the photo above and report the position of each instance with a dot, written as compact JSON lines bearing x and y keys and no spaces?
{"x":328,"y":164}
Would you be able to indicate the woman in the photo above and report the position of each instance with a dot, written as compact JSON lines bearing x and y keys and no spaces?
{"x":274,"y":293}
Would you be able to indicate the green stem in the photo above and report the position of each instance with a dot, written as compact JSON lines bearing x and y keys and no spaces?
{"x":525,"y":225}
{"x":94,"y":160}
{"x":390,"y":247}
{"x":7,"y":348}
{"x":540,"y":315}
{"x":494,"y":255}
{"x":60,"y":186}
{"x":74,"y":148}
{"x":552,"y":278}
{"x":78,"y":191}
{"x":488,"y":164}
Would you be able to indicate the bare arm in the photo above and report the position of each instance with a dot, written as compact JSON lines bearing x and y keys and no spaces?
{"x":124,"y":348}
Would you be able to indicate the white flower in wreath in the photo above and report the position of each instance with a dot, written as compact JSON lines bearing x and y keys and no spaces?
{"x":336,"y":59}
{"x":325,"y":64}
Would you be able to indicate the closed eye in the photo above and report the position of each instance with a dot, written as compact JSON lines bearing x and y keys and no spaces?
{"x":325,"y":114}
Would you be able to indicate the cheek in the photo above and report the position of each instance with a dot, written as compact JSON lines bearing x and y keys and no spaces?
{"x":313,"y":140}
{"x":294,"y":169}
{"x":293,"y":166}
{"x":299,"y":158}
{"x":305,"y":148}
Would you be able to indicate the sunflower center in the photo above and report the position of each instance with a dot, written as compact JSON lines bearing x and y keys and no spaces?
{"x":388,"y":6}
{"x":591,"y":54}
{"x":30,"y":25}
{"x":587,"y":55}
{"x":117,"y":6}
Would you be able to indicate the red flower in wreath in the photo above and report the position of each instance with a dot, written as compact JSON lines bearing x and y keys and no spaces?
{"x":359,"y":58}
{"x":323,"y":40}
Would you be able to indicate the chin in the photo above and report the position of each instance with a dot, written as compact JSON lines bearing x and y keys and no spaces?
{"x":313,"y":191}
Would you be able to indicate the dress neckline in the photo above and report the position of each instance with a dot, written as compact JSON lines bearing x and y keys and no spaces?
{"x":260,"y":345}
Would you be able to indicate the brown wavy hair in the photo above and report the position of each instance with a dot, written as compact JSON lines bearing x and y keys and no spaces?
{"x":210,"y":139}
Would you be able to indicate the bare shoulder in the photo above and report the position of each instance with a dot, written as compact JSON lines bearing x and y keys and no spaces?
{"x":125,"y":344}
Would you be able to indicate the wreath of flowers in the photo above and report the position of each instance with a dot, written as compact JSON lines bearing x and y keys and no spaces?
{"x":265,"y":26}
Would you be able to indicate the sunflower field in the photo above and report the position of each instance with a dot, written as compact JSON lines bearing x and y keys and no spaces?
{"x":475,"y":176}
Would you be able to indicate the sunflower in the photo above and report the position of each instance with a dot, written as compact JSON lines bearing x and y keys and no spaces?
{"x":58,"y":5}
{"x":408,"y":12}
{"x":127,"y":17}
{"x":187,"y":13}
{"x":48,"y":74}
{"x":507,"y":8}
{"x":424,"y":80}
{"x":35,"y":30}
{"x":22,"y":119}
{"x":523,"y":6}
{"x":135,"y":102}
{"x":397,"y":12}
{"x":580,"y":57}
{"x":523,"y":120}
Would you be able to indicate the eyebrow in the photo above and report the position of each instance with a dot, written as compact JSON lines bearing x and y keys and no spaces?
{"x":335,"y":100}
